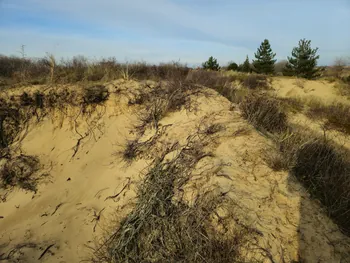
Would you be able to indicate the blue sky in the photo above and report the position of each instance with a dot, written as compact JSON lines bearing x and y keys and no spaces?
{"x":172,"y":30}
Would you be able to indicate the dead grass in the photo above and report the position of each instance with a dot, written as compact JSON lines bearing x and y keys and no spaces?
{"x":321,"y":166}
{"x":343,"y":88}
{"x":163,"y":227}
{"x":292,"y":104}
{"x":162,"y":99}
{"x":264,"y":113}
{"x":256,"y":82}
{"x":336,"y":115}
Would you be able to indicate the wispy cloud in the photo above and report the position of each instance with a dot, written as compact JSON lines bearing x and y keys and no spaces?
{"x":157,"y":30}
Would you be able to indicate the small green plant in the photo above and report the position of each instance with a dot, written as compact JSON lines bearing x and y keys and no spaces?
{"x":211,"y":64}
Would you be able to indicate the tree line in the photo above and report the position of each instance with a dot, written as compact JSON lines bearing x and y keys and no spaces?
{"x":302,"y":63}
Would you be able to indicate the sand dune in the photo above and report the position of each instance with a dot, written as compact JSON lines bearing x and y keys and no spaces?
{"x":74,"y":203}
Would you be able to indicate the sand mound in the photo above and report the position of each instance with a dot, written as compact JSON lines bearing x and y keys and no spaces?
{"x":87,"y":184}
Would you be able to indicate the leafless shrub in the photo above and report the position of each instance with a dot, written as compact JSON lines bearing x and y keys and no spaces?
{"x":264,"y":113}
{"x":18,"y":171}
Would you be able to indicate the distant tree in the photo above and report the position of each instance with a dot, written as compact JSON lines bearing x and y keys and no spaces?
{"x":279,"y":66}
{"x":211,"y":64}
{"x":303,"y":62}
{"x":265,"y":61}
{"x":245,"y":67}
{"x":232,"y":66}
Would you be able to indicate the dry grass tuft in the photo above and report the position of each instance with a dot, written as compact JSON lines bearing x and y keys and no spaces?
{"x":162,"y":99}
{"x":336,"y":115}
{"x":264,"y":113}
{"x":163,"y":227}
{"x":343,"y":88}
{"x":256,"y":82}
{"x":324,"y":169}
{"x":321,"y":166}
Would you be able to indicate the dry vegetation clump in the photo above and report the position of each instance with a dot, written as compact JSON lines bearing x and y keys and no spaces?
{"x":162,"y":99}
{"x":137,"y":148}
{"x":95,"y":94}
{"x":336,"y":115}
{"x":264,"y":113}
{"x":9,"y":125}
{"x":255,"y":82}
{"x":163,"y":227}
{"x":292,"y":104}
{"x":321,"y":166}
{"x":343,"y":88}
{"x":18,"y":171}
{"x":324,"y":169}
{"x":15,"y":70}
{"x":212,"y":79}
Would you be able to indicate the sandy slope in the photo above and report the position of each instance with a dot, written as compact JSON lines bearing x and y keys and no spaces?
{"x":63,"y":212}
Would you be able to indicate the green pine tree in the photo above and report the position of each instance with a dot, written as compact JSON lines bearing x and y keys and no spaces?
{"x":245,"y":67}
{"x":303,"y":61}
{"x":265,"y":61}
{"x":211,"y":64}
{"x":232,"y":66}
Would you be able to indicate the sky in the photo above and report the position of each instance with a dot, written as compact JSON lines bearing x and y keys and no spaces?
{"x":188,"y":31}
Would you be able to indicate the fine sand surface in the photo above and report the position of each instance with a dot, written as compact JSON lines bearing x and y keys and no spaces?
{"x":71,"y":208}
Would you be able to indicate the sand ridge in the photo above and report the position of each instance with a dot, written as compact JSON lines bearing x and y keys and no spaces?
{"x":72,"y":208}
